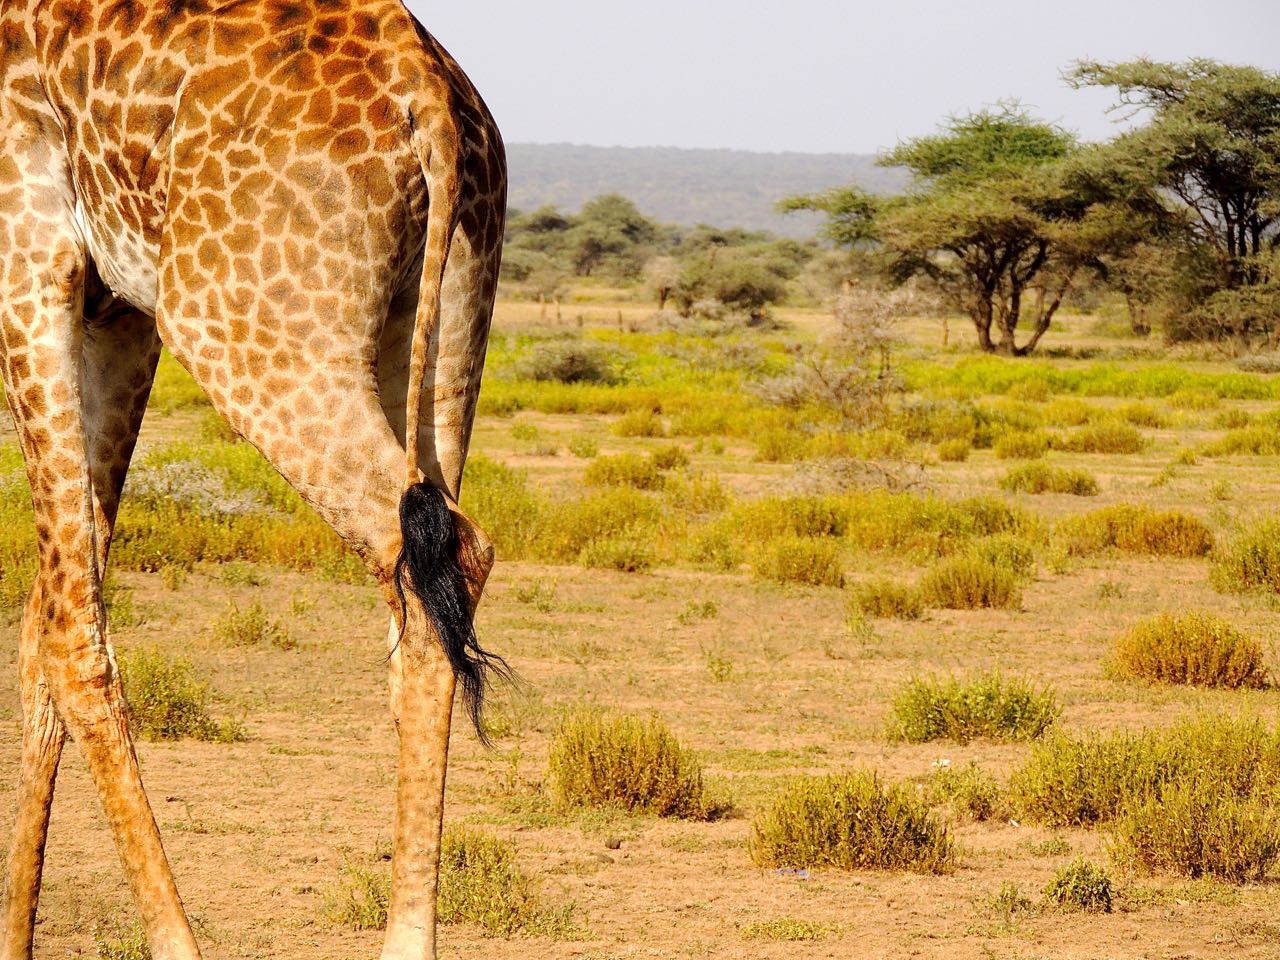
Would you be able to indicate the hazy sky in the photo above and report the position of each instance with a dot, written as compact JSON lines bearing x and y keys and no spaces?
{"x":813,"y":75}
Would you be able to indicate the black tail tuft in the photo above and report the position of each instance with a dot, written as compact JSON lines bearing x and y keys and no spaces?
{"x":431,"y":555}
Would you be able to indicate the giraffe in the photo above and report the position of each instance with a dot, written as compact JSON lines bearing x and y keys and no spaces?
{"x":304,"y":201}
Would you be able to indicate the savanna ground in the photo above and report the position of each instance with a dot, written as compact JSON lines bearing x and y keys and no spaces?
{"x":677,"y":599}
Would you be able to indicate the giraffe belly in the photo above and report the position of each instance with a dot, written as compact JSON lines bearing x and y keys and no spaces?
{"x":125,"y":260}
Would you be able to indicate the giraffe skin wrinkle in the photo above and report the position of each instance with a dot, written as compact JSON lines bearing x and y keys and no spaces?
{"x":304,"y":200}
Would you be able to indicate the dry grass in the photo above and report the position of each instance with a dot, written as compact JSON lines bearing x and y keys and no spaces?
{"x":1194,"y":648}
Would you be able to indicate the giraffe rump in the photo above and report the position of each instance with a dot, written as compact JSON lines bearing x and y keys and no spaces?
{"x":432,"y":565}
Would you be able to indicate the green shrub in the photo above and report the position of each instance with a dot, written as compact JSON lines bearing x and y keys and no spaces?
{"x":887,"y":598}
{"x":120,"y":940}
{"x":1006,"y":551}
{"x":166,"y":702}
{"x":359,"y":900}
{"x":670,"y":457}
{"x":584,"y":447}
{"x":1250,"y":441}
{"x":953,"y":451}
{"x":780,"y":446}
{"x":1233,"y":418}
{"x":497,"y":497}
{"x":1251,"y":561}
{"x":850,"y":822}
{"x":971,"y":583}
{"x":629,"y":554}
{"x":988,"y":705}
{"x":969,"y":791}
{"x":1042,"y":478}
{"x":624,"y":470}
{"x":639,"y":423}
{"x":1105,"y":436}
{"x":1141,"y":415}
{"x":1031,"y":389}
{"x":808,"y":560}
{"x":1091,"y":778}
{"x":1021,"y":445}
{"x":567,"y":527}
{"x":1193,"y":830}
{"x":1136,"y":529}
{"x":251,"y":628}
{"x":1080,"y":886}
{"x":634,"y":763}
{"x":1194,"y":648}
{"x":1191,"y":398}
{"x":567,"y":361}
{"x":1068,"y":412}
{"x":480,"y":883}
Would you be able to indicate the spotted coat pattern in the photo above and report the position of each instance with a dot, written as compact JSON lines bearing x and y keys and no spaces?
{"x":303,"y":200}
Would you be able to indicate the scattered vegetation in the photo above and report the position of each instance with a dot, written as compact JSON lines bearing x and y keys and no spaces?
{"x":251,"y":628}
{"x":1042,"y":478}
{"x":970,"y":583}
{"x":167,"y":702}
{"x":1080,"y":885}
{"x":883,"y":597}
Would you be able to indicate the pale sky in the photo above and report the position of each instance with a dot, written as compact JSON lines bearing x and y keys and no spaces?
{"x":813,"y":75}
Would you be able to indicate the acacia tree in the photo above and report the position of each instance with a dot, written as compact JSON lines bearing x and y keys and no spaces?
{"x":996,"y":215}
{"x":1211,"y":150}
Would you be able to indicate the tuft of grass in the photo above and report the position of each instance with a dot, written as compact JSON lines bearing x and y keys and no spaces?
{"x":1105,"y":436}
{"x":481,"y":883}
{"x":359,"y":900}
{"x":1008,"y":905}
{"x":626,"y":553}
{"x":670,"y":456}
{"x":251,"y":628}
{"x":1082,"y":886}
{"x":970,"y":583}
{"x":970,"y":792}
{"x":988,"y":705}
{"x":1093,"y":778}
{"x":1251,"y":561}
{"x":120,"y":940}
{"x":1021,"y":445}
{"x":1198,"y":649}
{"x":167,"y":702}
{"x":954,"y":451}
{"x":642,"y":422}
{"x":584,"y":447}
{"x":1193,"y":830}
{"x":785,"y":930}
{"x":633,"y":763}
{"x":887,"y":598}
{"x":624,"y":470}
{"x":1255,"y":441}
{"x":792,"y":559}
{"x":850,"y":822}
{"x":1136,"y":529}
{"x":1041,"y":478}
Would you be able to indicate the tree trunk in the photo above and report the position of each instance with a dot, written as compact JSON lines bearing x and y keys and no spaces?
{"x":981,"y":317}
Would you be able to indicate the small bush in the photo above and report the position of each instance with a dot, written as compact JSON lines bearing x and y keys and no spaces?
{"x":887,"y":598}
{"x":1233,"y":418}
{"x":1195,"y":648}
{"x":359,"y":901}
{"x":481,"y":883}
{"x":971,"y":583}
{"x":1006,"y":551}
{"x":970,"y":792}
{"x":1190,"y":398}
{"x":628,"y":554}
{"x":808,"y":560}
{"x":1136,"y":529}
{"x":624,"y":470}
{"x":1042,"y":478}
{"x":166,"y":702}
{"x":641,"y":422}
{"x":120,"y":940}
{"x":566,"y":361}
{"x":850,"y":822}
{"x":1106,"y":436}
{"x":953,"y":451}
{"x":1068,"y":412}
{"x":251,"y":628}
{"x":1080,"y":886}
{"x":962,"y":710}
{"x":635,"y":763}
{"x":1141,"y":415}
{"x":780,"y":446}
{"x":584,"y":447}
{"x":1193,"y":830}
{"x":1251,"y":561}
{"x":1021,"y":445}
{"x":670,"y":457}
{"x":1250,"y":441}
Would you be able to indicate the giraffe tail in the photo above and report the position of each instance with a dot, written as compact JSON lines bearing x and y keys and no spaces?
{"x":438,"y":548}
